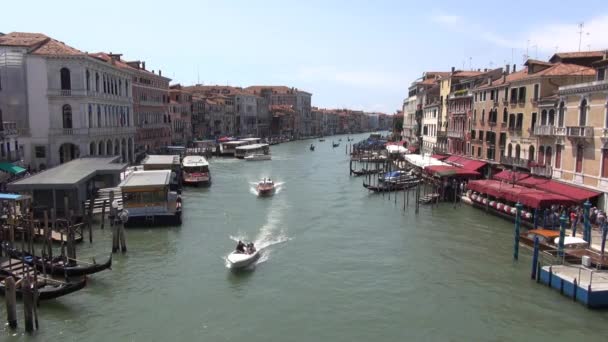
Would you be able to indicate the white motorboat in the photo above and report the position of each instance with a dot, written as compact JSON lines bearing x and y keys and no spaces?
{"x":257,"y":156}
{"x":242,"y":260}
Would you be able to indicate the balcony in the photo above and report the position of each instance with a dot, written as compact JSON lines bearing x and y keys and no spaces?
{"x":456,"y":134}
{"x":542,"y":170}
{"x":9,"y":128}
{"x":579,"y":132}
{"x":513,"y":161}
{"x":544,"y":130}
{"x":492,"y":123}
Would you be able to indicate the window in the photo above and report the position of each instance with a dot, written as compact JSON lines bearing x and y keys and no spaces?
{"x":473,"y":134}
{"x":536,"y":91}
{"x":40,"y":151}
{"x":1,"y":122}
{"x":480,"y":135}
{"x":510,"y":150}
{"x":560,"y":119}
{"x":90,"y":115}
{"x":514,"y":95}
{"x":479,"y":152}
{"x":551,"y":118}
{"x":88,"y":76}
{"x":582,"y":119}
{"x":522,"y":95}
{"x":531,"y":154}
{"x":579,"y":159}
{"x":67,"y":116}
{"x":505,"y":115}
{"x":517,"y":151}
{"x":520,"y":121}
{"x":66,"y":82}
{"x":0,"y":82}
{"x":474,"y":114}
{"x":558,"y":156}
{"x":604,"y":163}
{"x":475,"y":97}
{"x":491,"y":94}
{"x":601,"y":75}
{"x":97,"y":82}
{"x":548,"y":155}
{"x":533,"y":121}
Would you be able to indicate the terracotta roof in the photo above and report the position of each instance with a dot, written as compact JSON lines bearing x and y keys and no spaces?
{"x":579,"y":54}
{"x":536,"y":61}
{"x":562,"y":69}
{"x":215,"y":89}
{"x":121,"y":63}
{"x":38,"y":43}
{"x":467,"y":73}
{"x":429,"y":81}
{"x":256,"y":89}
{"x":514,"y":76}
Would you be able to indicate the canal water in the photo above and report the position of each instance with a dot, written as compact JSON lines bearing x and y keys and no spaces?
{"x":338,"y":264}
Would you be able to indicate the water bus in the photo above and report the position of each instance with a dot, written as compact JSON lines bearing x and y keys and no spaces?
{"x":195,"y":170}
{"x":148,"y":198}
{"x":228,"y":148}
{"x":243,"y":151}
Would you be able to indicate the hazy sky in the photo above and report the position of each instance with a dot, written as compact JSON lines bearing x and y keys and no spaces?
{"x":357,"y":54}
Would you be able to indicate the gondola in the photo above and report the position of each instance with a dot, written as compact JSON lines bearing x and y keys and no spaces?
{"x":364,"y":172}
{"x":57,"y":266}
{"x":387,"y":187}
{"x":335,"y":144}
{"x":47,"y":289}
{"x":312,"y":147}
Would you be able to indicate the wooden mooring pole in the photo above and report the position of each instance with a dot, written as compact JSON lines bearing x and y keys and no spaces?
{"x":10,"y":296}
{"x":28,"y":304}
{"x":103,"y":213}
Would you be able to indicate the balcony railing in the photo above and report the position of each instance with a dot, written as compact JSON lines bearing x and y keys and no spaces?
{"x":491,"y":123}
{"x":456,"y":134}
{"x":9,"y":128}
{"x":542,"y":170}
{"x":579,"y":132}
{"x":544,"y":130}
{"x":513,"y":161}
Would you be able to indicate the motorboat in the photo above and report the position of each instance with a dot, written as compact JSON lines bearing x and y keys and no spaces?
{"x":244,"y":258}
{"x":265,"y":187}
{"x":334,"y":145}
{"x":257,"y":156}
{"x":321,"y":140}
{"x":195,"y":170}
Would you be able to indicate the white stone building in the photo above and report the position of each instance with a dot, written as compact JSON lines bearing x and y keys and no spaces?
{"x":76,"y":105}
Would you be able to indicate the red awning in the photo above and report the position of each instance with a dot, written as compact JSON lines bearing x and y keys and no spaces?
{"x":514,"y":193}
{"x":449,"y":171}
{"x":452,"y":159}
{"x":439,"y":156}
{"x":510,"y":176}
{"x":412,"y":149}
{"x":533,"y":181}
{"x":471,"y":164}
{"x":574,"y":192}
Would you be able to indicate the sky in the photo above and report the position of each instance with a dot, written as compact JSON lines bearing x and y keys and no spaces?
{"x":348,"y":54}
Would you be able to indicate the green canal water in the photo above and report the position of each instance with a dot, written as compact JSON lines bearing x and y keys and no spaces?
{"x":338,"y":264}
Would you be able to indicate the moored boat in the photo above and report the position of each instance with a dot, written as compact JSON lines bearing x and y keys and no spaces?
{"x":545,"y":238}
{"x":195,"y":170}
{"x":47,"y":288}
{"x":58,"y":266}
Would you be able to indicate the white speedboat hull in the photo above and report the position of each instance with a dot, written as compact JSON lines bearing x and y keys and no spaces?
{"x":242,"y":260}
{"x":258,"y":157}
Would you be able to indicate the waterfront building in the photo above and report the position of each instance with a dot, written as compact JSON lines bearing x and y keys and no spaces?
{"x":180,"y":115}
{"x":580,"y":133}
{"x":535,"y":123}
{"x":150,"y":103}
{"x":69,"y":104}
{"x":410,"y":127}
{"x":299,"y":100}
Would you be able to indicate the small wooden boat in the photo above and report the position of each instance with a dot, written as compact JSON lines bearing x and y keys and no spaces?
{"x":335,"y":144}
{"x":47,"y":288}
{"x":265,"y":187}
{"x":58,"y":266}
{"x":364,"y":172}
{"x":545,"y":238}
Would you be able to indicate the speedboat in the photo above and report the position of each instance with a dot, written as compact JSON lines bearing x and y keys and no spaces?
{"x":321,"y":140}
{"x":258,"y":156}
{"x":238,"y":259}
{"x":265,"y":187}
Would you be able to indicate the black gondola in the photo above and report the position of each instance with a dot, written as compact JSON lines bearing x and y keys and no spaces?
{"x":58,"y":267}
{"x":47,"y":289}
{"x":312,"y":147}
{"x":386,"y":187}
{"x":364,"y":172}
{"x":335,"y":144}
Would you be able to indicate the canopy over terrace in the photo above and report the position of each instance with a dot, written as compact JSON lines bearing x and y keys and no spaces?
{"x":74,"y":180}
{"x":441,"y":171}
{"x":573,"y":192}
{"x":533,"y":198}
{"x":421,"y":161}
{"x":510,"y":176}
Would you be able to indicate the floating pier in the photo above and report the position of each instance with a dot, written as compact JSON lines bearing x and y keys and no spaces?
{"x":585,"y":285}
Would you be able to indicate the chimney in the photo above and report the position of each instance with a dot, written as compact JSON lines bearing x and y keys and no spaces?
{"x":508,"y":68}
{"x":485,"y":69}
{"x":453,"y":69}
{"x":115,"y":56}
{"x":143,"y":65}
{"x":160,"y":72}
{"x":489,"y":80}
{"x":514,"y":67}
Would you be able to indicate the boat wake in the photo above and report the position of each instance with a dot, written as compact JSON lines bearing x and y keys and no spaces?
{"x":270,"y":234}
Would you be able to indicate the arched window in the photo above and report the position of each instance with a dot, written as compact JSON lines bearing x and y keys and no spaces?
{"x":562,"y":113}
{"x":517,"y":151}
{"x":510,"y":150}
{"x":483,"y":115}
{"x":541,"y":154}
{"x":551,"y":117}
{"x":543,"y":117}
{"x":548,"y":155}
{"x":474,"y":114}
{"x":579,"y":159}
{"x":520,"y":121}
{"x":66,"y":81}
{"x":582,"y":119}
{"x":88,"y":75}
{"x":97,"y":82}
{"x":511,"y":121}
{"x":505,"y":115}
{"x":120,"y":87}
{"x":1,"y":120}
{"x":531,"y":153}
{"x":92,"y":148}
{"x":99,"y":117}
{"x":100,"y":148}
{"x":67,"y":116}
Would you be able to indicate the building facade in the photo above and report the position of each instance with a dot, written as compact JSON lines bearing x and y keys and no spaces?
{"x":180,"y":115}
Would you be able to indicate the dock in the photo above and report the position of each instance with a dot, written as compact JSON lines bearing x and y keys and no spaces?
{"x":585,"y":285}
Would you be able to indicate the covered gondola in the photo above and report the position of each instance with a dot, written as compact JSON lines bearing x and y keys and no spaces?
{"x":47,"y":288}
{"x":59,"y":266}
